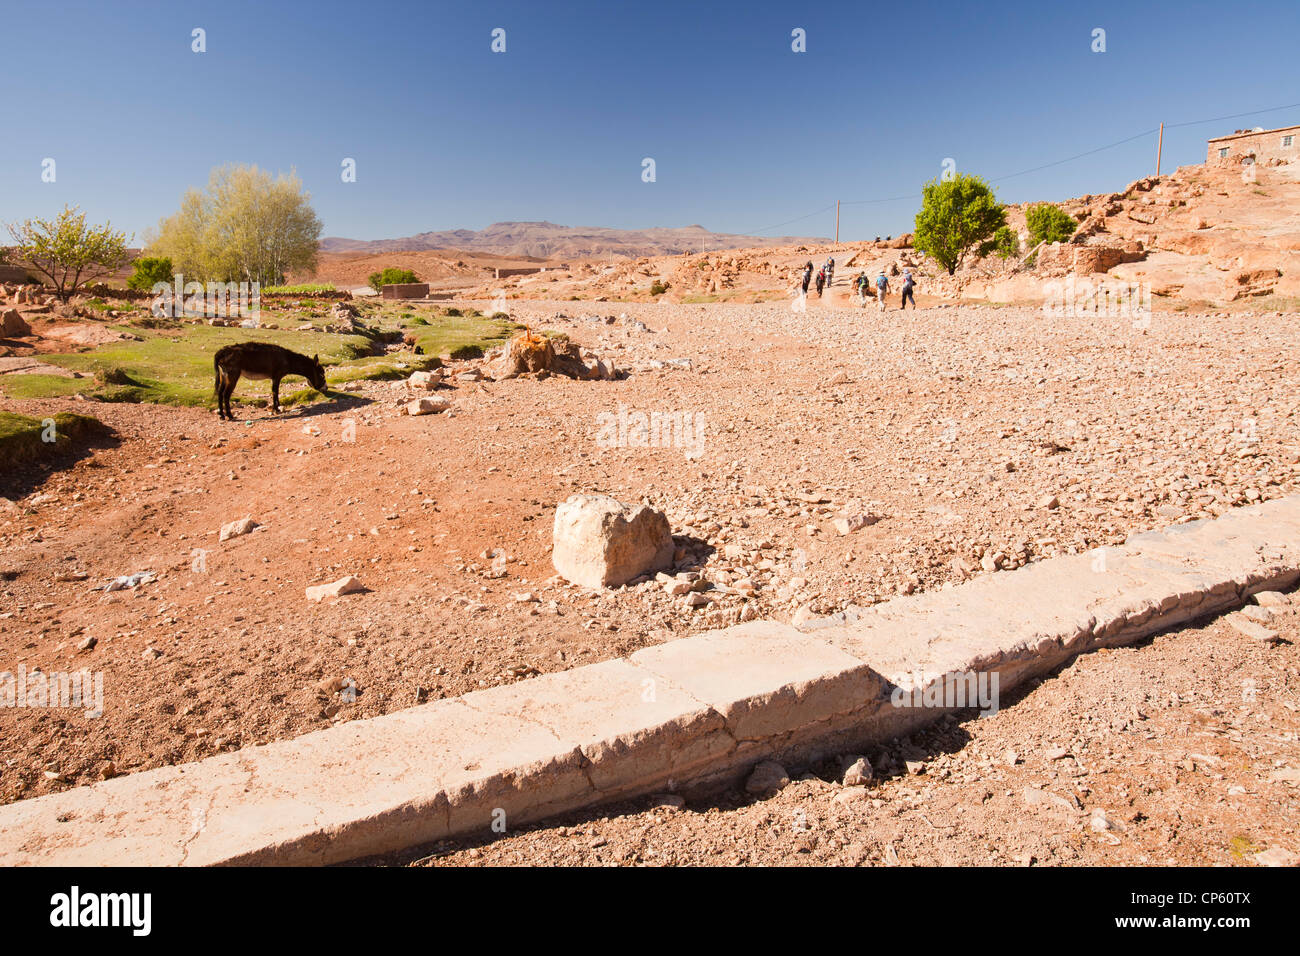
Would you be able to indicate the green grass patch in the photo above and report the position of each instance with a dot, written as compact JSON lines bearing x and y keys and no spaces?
{"x":25,"y":439}
{"x":174,"y":367}
{"x":305,"y":288}
{"x":455,"y":333}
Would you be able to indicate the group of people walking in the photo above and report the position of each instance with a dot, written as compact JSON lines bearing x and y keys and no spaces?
{"x":825,"y":275}
{"x":860,"y":283}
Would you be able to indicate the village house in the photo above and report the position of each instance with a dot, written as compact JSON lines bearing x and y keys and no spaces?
{"x":1262,"y":146}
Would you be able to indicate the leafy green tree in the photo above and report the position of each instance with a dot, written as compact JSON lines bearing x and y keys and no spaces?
{"x":247,"y":227}
{"x":68,"y":252}
{"x":150,"y":270}
{"x":390,"y":276}
{"x":1048,"y":223}
{"x":1005,"y":244}
{"x":956,"y":216}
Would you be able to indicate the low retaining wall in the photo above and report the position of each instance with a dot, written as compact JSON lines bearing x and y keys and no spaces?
{"x":688,"y":714}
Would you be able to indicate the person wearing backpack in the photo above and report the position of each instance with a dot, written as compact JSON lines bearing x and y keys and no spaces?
{"x":861,"y":283}
{"x":882,"y":288}
{"x":807,"y":276}
{"x":821,"y":281}
{"x":908,"y":286}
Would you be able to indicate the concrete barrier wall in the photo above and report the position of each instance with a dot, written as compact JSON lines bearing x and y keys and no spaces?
{"x":692,"y":713}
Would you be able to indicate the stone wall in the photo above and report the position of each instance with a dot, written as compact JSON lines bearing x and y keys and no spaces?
{"x":407,"y":290}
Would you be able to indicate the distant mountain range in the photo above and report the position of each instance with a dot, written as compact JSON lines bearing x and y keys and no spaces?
{"x":546,"y":240}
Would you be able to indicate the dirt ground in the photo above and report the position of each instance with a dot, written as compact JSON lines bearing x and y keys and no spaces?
{"x":982,"y":438}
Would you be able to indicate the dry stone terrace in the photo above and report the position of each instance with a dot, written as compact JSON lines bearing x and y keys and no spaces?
{"x":980,"y":438}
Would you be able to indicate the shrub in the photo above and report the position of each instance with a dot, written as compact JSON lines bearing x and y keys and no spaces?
{"x":150,"y":270}
{"x":1005,"y":244}
{"x":1048,"y":223}
{"x":390,"y":276}
{"x":658,"y":288}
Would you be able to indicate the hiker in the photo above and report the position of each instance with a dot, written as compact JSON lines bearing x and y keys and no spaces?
{"x":821,"y":281}
{"x":908,"y":286}
{"x":882,"y":288}
{"x":807,"y":276}
{"x":861,"y":284}
{"x":830,"y":269}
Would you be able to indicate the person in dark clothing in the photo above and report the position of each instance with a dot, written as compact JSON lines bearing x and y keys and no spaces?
{"x":821,"y":281}
{"x":807,"y":276}
{"x":908,"y":286}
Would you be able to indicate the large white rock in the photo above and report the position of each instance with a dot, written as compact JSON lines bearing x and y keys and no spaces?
{"x":599,"y":542}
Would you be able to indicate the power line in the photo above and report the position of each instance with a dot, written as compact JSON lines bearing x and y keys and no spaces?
{"x":1218,"y":119}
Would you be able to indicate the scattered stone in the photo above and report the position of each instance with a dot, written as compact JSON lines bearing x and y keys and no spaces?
{"x":347,"y":585}
{"x":87,"y":643}
{"x":858,"y":771}
{"x":768,"y":776}
{"x":846,"y":524}
{"x":236,"y":528}
{"x":1273,"y":599}
{"x":1253,"y":629}
{"x":430,"y":379}
{"x":1044,"y":798}
{"x":1276,"y":856}
{"x":427,"y":406}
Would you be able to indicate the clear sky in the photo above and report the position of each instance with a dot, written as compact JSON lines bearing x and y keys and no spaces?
{"x":745,"y":133}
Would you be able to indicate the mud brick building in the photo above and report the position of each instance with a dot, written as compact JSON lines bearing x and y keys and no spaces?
{"x":1262,"y":146}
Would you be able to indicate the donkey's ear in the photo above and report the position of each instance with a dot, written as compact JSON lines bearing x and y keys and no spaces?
{"x":316,"y":359}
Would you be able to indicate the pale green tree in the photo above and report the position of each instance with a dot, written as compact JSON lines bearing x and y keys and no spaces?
{"x":67,"y":251}
{"x":248,"y":226}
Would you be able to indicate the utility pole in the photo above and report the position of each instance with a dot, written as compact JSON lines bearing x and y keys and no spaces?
{"x":1160,"y":149}
{"x":837,"y":221}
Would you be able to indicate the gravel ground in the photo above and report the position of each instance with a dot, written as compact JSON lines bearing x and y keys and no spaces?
{"x":965,"y":440}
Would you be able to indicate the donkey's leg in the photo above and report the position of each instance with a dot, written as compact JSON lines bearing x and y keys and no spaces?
{"x":275,"y":395}
{"x":232,"y":379}
{"x":223,"y":381}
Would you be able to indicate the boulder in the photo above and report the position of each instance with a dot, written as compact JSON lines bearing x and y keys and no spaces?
{"x":526,"y":352}
{"x":600,"y":542}
{"x":13,"y":324}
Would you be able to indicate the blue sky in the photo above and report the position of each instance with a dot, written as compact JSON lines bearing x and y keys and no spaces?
{"x":745,"y":133}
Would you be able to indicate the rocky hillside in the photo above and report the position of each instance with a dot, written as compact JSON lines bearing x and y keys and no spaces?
{"x":1202,"y":236}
